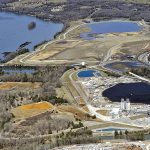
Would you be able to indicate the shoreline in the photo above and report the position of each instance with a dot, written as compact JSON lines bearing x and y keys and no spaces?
{"x":64,"y":28}
{"x":67,"y":27}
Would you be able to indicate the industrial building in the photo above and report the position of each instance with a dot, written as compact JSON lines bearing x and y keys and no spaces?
{"x":125,"y":104}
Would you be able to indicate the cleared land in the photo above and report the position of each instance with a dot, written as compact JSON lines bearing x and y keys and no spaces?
{"x":18,"y":85}
{"x":29,"y":110}
{"x":70,"y":48}
{"x":103,"y":112}
{"x":77,"y":112}
{"x":135,"y":48}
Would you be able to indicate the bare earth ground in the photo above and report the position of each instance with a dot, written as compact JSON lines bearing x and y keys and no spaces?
{"x":69,"y":47}
{"x":77,"y":112}
{"x":18,"y":85}
{"x":29,"y":110}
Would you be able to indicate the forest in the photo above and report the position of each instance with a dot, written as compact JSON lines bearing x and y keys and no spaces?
{"x":77,"y":9}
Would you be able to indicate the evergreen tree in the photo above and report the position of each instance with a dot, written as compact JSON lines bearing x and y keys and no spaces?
{"x":116,"y":134}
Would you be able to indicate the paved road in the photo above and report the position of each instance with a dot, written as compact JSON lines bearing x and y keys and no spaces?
{"x":92,"y":109}
{"x":139,"y":77}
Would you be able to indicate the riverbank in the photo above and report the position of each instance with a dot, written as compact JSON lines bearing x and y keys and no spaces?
{"x":63,"y":12}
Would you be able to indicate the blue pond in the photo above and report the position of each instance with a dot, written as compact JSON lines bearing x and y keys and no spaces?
{"x":110,"y":27}
{"x":137,"y":92}
{"x":14,"y":31}
{"x":88,"y":73}
{"x":111,"y":129}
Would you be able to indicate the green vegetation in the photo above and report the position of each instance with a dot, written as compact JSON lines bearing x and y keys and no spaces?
{"x":132,"y":135}
{"x":5,"y":114}
{"x":11,"y":55}
{"x":40,"y":44}
{"x":81,"y":136}
{"x":75,"y":10}
{"x":118,"y":134}
{"x":113,"y":74}
{"x":52,"y":99}
{"x":144,"y":72}
{"x":49,"y":79}
{"x":74,"y":126}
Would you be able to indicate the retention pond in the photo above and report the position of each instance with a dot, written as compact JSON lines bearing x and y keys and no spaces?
{"x":105,"y":27}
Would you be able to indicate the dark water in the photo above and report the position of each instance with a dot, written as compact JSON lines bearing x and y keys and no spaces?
{"x":127,"y":65}
{"x":88,"y":73}
{"x":110,"y":27}
{"x":14,"y":31}
{"x":136,"y":92}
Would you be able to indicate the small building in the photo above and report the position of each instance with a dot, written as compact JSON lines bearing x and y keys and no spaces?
{"x":115,"y":111}
{"x":79,"y":65}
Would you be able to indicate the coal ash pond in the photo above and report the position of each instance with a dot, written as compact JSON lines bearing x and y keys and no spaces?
{"x":136,"y":92}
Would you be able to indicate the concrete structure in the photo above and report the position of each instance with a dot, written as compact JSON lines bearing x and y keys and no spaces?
{"x":122,"y":104}
{"x":125,"y":104}
{"x":83,"y":63}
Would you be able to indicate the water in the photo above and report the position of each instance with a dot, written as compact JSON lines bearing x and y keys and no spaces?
{"x":146,"y":137}
{"x":136,"y":92}
{"x":11,"y":70}
{"x":124,"y":66}
{"x":88,"y":73}
{"x":111,"y":129}
{"x":110,"y":27}
{"x":14,"y":31}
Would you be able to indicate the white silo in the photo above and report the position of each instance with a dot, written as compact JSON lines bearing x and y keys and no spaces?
{"x":122,"y":104}
{"x":83,"y":63}
{"x":128,"y":104}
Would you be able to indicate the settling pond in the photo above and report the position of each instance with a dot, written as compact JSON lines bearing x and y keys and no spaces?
{"x":137,"y":92}
{"x":88,"y":73}
{"x":110,"y":129}
{"x":146,"y":137}
{"x":105,"y":27}
{"x":124,"y":66}
{"x":14,"y":31}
